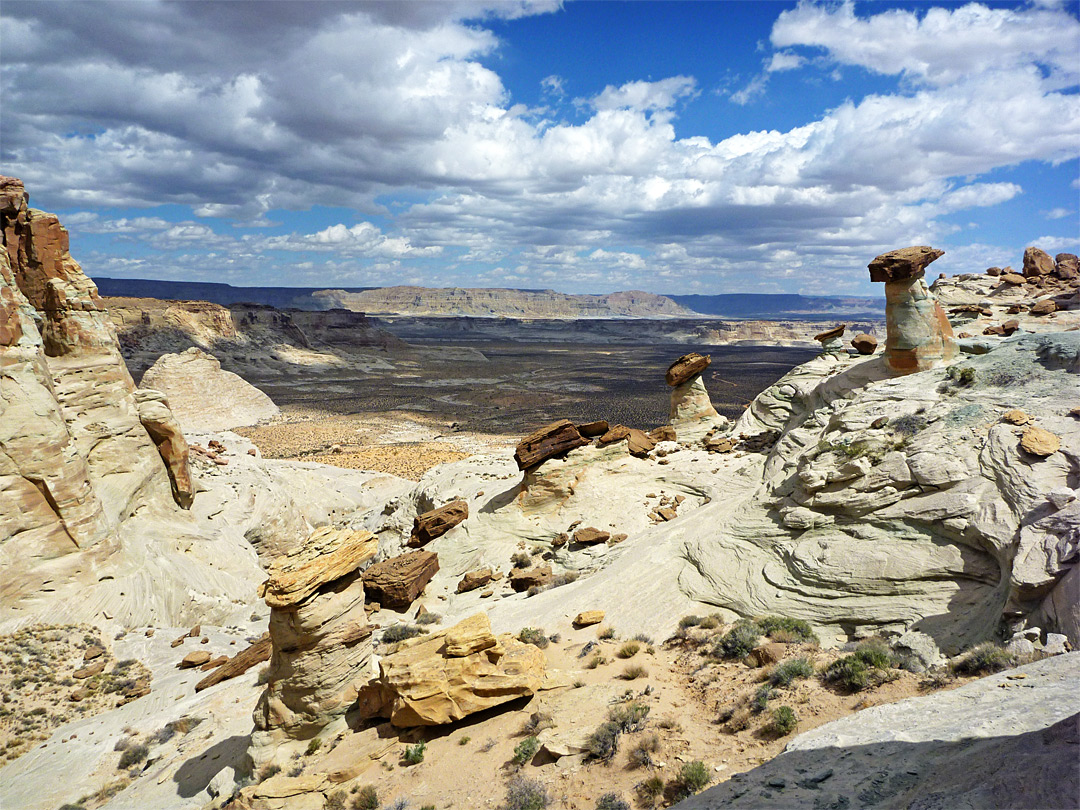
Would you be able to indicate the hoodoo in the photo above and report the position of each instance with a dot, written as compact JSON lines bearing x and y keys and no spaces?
{"x":692,"y":412}
{"x":918,"y":334}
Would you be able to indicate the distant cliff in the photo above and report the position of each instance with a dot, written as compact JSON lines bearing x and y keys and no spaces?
{"x":486,"y":302}
{"x":772,"y":306}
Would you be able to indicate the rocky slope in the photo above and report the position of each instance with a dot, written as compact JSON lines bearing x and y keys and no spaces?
{"x":491,"y":303}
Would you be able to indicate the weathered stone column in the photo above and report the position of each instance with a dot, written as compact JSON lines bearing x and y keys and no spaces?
{"x":692,"y":413}
{"x":918,"y":334}
{"x":831,"y":340}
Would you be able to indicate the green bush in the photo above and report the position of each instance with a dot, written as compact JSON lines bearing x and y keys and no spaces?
{"x":689,"y":621}
{"x":534,"y":636}
{"x":984,"y":660}
{"x":400,"y":632}
{"x":612,"y":801}
{"x":652,"y":787}
{"x":603,"y":743}
{"x":525,"y":750}
{"x":414,"y":754}
{"x":693,"y":778}
{"x":313,"y":746}
{"x":628,"y":650}
{"x":605,"y":633}
{"x":133,"y":755}
{"x":783,"y":721}
{"x":790,"y":629}
{"x":738,"y":641}
{"x":366,"y":799}
{"x":870,"y":665}
{"x":629,"y":717}
{"x":762,"y":696}
{"x":526,"y":794}
{"x":786,"y":672}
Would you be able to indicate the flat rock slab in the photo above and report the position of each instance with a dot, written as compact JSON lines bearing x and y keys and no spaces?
{"x":327,"y":555}
{"x":589,"y":536}
{"x":836,"y":332}
{"x":908,"y":262}
{"x":239,"y":663}
{"x":1000,"y":741}
{"x":547,"y":442}
{"x":396,"y":582}
{"x":686,"y":367}
{"x":437,"y":522}
{"x":474,"y":579}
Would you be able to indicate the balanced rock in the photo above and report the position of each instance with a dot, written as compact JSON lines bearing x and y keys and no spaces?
{"x":918,"y":334}
{"x":686,"y":367}
{"x":204,"y":397}
{"x":593,"y":429}
{"x":437,"y":522}
{"x":864,"y":344}
{"x":588,"y":617}
{"x":549,"y":441}
{"x":396,"y":582}
{"x":904,"y":263}
{"x":1039,"y":442}
{"x":474,"y":579}
{"x":319,"y":637}
{"x":1037,"y":262}
{"x":446,"y":676}
{"x":589,"y":536}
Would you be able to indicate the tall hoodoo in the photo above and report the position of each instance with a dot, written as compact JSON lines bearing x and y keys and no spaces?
{"x":918,"y":334}
{"x":692,"y":413}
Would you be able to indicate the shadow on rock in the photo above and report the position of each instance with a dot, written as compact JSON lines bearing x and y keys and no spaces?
{"x":196,"y":773}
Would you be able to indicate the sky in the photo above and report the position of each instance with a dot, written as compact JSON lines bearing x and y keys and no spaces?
{"x":673,"y":147}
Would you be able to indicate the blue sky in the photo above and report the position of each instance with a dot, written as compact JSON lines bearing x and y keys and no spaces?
{"x":700,"y":147}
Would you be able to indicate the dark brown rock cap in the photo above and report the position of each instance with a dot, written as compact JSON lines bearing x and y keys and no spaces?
{"x":550,"y":440}
{"x":829,"y":334}
{"x":437,"y":522}
{"x":909,"y":262}
{"x":396,"y":582}
{"x":686,"y":367}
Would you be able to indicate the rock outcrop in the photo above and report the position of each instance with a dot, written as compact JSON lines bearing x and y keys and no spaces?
{"x":320,"y":637}
{"x":918,"y":333}
{"x":437,"y":522}
{"x":692,"y":413}
{"x":444,"y":677}
{"x":548,"y":442}
{"x":396,"y":582}
{"x":158,"y":419}
{"x":205,"y":398}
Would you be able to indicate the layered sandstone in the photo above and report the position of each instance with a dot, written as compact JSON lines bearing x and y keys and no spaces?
{"x":444,"y":677}
{"x":692,"y":414}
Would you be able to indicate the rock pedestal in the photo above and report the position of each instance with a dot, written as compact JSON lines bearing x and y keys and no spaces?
{"x":321,"y":641}
{"x":831,"y":340}
{"x":918,"y":334}
{"x":692,"y":413}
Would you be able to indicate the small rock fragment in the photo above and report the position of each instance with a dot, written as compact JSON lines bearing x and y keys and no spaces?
{"x":1039,"y":442}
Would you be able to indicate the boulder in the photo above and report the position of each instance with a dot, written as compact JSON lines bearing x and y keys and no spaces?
{"x":474,"y":579}
{"x":521,"y":579}
{"x":444,"y":677}
{"x":686,"y":368}
{"x":396,"y":582}
{"x":1015,"y":417}
{"x":90,"y":670}
{"x":1039,"y":442}
{"x":1044,"y":307}
{"x":638,"y":442}
{"x":437,"y":522}
{"x":1009,"y":327}
{"x":1013,"y":278}
{"x":203,"y":396}
{"x":92,"y":652}
{"x":588,"y":617}
{"x":1037,"y":262}
{"x":993,"y":271}
{"x":1066,"y":266}
{"x":328,"y":554}
{"x":194,"y":659}
{"x":905,"y":263}
{"x":664,"y":433}
{"x":589,"y":536}
{"x":549,"y":441}
{"x":864,"y":344}
{"x":593,"y":429}
{"x":766,"y":654}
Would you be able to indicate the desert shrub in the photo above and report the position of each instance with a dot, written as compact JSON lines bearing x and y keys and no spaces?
{"x":651,"y":788}
{"x":603,"y":743}
{"x":313,"y":746}
{"x":710,"y":622}
{"x":414,"y":754}
{"x":612,"y":801}
{"x":628,"y":650}
{"x":962,"y":375}
{"x":786,"y":672}
{"x":738,"y":720}
{"x":669,"y":722}
{"x":464,"y":740}
{"x":336,"y":800}
{"x":645,"y":639}
{"x":689,"y":621}
{"x":531,"y":635}
{"x":868,"y":666}
{"x":738,"y":641}
{"x":629,"y":717}
{"x":693,"y":778}
{"x":783,"y":721}
{"x":605,"y":633}
{"x":526,"y":794}
{"x":525,"y":750}
{"x":781,"y":628}
{"x":400,"y":632}
{"x":264,"y":676}
{"x":641,"y":754}
{"x":521,"y":560}
{"x":595,"y":661}
{"x":908,"y":425}
{"x":564,"y":579}
{"x":400,"y":803}
{"x":983,"y":660}
{"x":633,"y":672}
{"x":762,"y":696}
{"x":366,"y":799}
{"x":133,"y":755}
{"x":428,"y":618}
